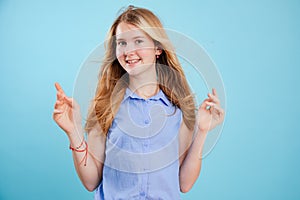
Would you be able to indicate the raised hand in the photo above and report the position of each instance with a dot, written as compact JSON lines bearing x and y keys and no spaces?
{"x":210,"y":113}
{"x":66,"y":112}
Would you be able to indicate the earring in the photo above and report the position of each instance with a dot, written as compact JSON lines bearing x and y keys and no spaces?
{"x":157,"y":56}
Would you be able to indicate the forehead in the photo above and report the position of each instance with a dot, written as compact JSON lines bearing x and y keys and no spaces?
{"x":127,"y":31}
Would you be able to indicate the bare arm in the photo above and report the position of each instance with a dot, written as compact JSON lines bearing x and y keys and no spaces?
{"x":190,"y":160}
{"x":68,"y":117}
{"x":191,"y":151}
{"x":91,"y":174}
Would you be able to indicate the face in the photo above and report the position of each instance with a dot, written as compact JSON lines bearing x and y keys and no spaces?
{"x":135,"y":50}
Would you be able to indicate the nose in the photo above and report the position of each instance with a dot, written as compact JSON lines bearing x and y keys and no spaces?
{"x":129,"y":49}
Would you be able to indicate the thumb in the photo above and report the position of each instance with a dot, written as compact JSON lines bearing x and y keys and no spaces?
{"x":69,"y":101}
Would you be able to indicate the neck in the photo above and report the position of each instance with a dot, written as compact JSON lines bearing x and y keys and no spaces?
{"x":145,"y":85}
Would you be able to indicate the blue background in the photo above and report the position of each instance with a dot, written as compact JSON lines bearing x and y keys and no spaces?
{"x":255,"y":45}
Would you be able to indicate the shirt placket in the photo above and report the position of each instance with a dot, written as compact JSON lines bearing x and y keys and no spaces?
{"x":145,"y":147}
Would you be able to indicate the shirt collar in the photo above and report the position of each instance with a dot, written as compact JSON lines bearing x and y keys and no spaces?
{"x":159,"y":96}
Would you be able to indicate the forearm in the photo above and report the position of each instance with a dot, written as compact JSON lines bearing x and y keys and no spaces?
{"x":90,"y":170}
{"x":191,"y":166}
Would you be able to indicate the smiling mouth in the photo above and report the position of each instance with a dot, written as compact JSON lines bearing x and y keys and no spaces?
{"x":133,"y":61}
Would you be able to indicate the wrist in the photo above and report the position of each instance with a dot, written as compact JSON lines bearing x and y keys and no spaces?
{"x":199,"y":141}
{"x":202,"y":130}
{"x":82,"y":148}
{"x":76,"y":137}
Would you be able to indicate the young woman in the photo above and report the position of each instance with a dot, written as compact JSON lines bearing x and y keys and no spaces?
{"x":144,"y":135}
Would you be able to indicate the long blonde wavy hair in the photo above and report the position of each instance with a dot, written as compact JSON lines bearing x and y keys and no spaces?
{"x":113,"y":79}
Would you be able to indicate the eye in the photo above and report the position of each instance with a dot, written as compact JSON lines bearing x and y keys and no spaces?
{"x":139,"y":41}
{"x":121,"y":43}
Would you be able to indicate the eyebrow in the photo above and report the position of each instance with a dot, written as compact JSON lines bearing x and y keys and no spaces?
{"x":136,"y":37}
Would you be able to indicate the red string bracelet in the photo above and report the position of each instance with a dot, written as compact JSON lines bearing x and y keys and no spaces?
{"x":73,"y":149}
{"x":76,"y":149}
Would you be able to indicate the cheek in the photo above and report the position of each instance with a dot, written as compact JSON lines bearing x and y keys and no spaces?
{"x":120,"y":56}
{"x":118,"y":52}
{"x":146,"y":53}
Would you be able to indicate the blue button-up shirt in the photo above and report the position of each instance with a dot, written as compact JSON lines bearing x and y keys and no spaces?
{"x":142,"y":150}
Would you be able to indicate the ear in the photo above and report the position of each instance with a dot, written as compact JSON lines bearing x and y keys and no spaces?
{"x":158,"y":51}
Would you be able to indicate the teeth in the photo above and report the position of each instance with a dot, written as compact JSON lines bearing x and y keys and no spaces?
{"x":133,"y":61}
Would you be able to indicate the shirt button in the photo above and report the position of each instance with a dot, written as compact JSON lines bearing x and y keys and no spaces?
{"x":146,"y":121}
{"x":142,"y":193}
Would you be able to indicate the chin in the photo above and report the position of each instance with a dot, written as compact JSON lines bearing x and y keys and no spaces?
{"x":133,"y":72}
{"x":137,"y":70}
